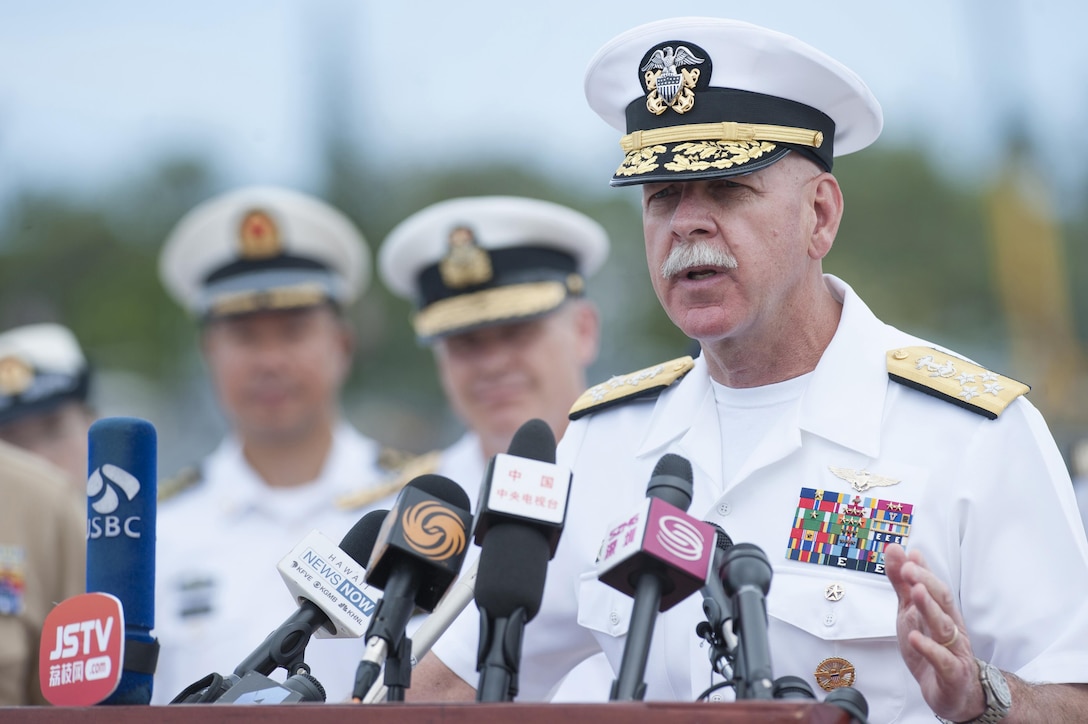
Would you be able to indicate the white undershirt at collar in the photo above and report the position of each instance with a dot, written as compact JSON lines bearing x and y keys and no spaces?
{"x":746,"y":414}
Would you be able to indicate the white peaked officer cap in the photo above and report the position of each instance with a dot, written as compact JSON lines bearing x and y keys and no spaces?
{"x":263,"y":248}
{"x":474,"y":262}
{"x":41,"y":366}
{"x":707,"y":97}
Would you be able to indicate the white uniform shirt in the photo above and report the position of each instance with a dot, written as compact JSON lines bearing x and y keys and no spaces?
{"x":991,"y":506}
{"x":218,"y":594}
{"x":464,"y":463}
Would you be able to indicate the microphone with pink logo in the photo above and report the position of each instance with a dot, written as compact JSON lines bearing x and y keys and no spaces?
{"x":659,"y":556}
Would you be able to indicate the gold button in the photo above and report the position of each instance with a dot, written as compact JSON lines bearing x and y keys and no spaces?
{"x":900,"y":354}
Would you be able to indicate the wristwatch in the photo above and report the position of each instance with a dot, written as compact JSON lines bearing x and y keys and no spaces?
{"x":998,"y":698}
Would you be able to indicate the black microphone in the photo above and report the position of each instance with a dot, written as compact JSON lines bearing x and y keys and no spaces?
{"x":746,"y":576}
{"x":121,"y":515}
{"x":417,"y":557}
{"x":286,"y":645}
{"x":524,"y":486}
{"x":659,"y":556}
{"x":717,"y":629}
{"x":519,"y":519}
{"x":851,"y":701}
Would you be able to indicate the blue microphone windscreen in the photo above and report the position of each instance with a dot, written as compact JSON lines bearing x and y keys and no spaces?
{"x":122,"y":484}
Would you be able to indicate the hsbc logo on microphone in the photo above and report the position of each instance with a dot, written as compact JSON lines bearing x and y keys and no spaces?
{"x":109,"y":489}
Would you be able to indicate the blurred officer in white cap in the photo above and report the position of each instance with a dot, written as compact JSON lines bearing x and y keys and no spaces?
{"x":267,"y":272}
{"x":829,"y":440}
{"x":44,"y":407}
{"x":498,"y":283}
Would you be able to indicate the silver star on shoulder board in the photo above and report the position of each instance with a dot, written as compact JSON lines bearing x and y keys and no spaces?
{"x":862,"y":480}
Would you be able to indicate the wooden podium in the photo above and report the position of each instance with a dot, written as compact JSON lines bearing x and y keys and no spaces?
{"x":745,"y":712}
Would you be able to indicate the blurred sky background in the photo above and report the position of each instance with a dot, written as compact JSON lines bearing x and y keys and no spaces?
{"x":91,"y":91}
{"x":94,"y":96}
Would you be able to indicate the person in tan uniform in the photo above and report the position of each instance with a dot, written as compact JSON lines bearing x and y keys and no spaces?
{"x":42,"y":562}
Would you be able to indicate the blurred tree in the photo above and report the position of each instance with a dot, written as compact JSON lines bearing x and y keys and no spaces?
{"x":92,"y":265}
{"x":913,"y":244}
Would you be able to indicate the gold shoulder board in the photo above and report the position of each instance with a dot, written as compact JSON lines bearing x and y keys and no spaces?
{"x":622,"y":388}
{"x":406,"y":468}
{"x":179,"y":483}
{"x":954,"y":379}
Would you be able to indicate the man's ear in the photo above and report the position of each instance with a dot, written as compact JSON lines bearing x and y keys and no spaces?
{"x":347,"y":341}
{"x":587,"y":323}
{"x":827,"y":205}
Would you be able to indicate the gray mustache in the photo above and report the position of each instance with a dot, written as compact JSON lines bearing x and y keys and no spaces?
{"x":695,"y":254}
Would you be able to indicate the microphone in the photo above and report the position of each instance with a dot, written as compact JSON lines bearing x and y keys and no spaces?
{"x":455,"y":601}
{"x":659,"y":556}
{"x":418,"y":554}
{"x":717,"y":629}
{"x":851,"y":701}
{"x":331,"y":608}
{"x":846,"y":698}
{"x":122,"y":488}
{"x":525,"y":487}
{"x":746,"y":577}
{"x":519,"y":519}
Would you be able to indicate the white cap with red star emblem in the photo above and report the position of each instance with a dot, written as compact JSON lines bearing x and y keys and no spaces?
{"x":263,"y":248}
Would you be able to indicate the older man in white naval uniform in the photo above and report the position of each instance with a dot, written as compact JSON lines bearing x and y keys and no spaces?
{"x":267,"y":273}
{"x":904,"y":496}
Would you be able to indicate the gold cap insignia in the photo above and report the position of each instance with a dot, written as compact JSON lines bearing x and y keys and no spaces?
{"x":668,"y":83}
{"x":15,"y":375}
{"x":465,"y":264}
{"x":575,"y":284}
{"x":258,"y":237}
{"x":834,"y":673}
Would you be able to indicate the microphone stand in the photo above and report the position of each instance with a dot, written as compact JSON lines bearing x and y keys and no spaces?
{"x":398,"y":670}
{"x":500,"y":652}
{"x":630,"y":684}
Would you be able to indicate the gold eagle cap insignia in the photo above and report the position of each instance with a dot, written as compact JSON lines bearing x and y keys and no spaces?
{"x":862,"y":480}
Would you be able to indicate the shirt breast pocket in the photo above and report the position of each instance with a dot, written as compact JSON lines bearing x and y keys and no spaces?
{"x":834,"y":630}
{"x":602,"y":609}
